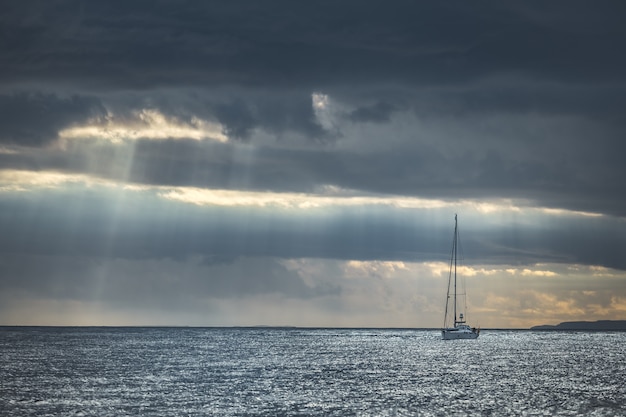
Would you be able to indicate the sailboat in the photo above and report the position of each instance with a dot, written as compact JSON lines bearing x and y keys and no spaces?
{"x":460,"y":329}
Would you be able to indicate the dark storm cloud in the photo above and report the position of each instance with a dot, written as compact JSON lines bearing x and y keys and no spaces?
{"x":94,"y":224}
{"x":556,"y":58}
{"x":34,"y":119}
{"x":377,"y":113}
{"x":146,"y":44}
{"x":507,"y":100}
{"x":517,"y":95}
{"x":280,"y":115}
{"x":237,"y":119}
{"x":553,"y":173}
{"x":446,"y":100}
{"x":149,"y":282}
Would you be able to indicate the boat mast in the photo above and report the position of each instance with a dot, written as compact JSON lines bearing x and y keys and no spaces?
{"x":454,"y":249}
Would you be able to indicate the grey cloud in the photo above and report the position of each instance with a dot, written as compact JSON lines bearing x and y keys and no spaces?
{"x":35,"y":119}
{"x":494,"y":101}
{"x":253,"y":67}
{"x":147,"y":227}
{"x":150,"y":283}
{"x":377,"y":113}
{"x":277,"y":114}
{"x":237,"y":119}
{"x":280,"y":114}
{"x":445,"y":100}
{"x":262,"y":276}
{"x":313,"y":44}
{"x":570,"y":165}
{"x":518,"y":95}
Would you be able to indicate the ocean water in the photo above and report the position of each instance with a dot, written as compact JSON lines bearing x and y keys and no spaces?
{"x":296,"y":372}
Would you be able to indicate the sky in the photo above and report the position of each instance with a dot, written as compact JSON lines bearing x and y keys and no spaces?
{"x":300,"y":163}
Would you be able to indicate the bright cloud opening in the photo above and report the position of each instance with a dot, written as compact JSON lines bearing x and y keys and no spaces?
{"x":329,"y":196}
{"x":147,"y":124}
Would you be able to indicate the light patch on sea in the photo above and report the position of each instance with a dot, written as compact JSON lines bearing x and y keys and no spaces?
{"x":289,"y":372}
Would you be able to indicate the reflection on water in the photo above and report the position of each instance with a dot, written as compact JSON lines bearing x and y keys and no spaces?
{"x":237,"y":371}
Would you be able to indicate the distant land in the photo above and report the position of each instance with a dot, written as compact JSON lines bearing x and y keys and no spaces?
{"x":600,"y":325}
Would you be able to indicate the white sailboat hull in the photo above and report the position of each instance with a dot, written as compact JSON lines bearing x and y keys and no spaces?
{"x":457,"y":333}
{"x":452,"y":334}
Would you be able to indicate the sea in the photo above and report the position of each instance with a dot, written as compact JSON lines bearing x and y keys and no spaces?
{"x":105,"y":371}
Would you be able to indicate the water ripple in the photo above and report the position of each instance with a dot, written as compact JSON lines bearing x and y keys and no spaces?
{"x":329,"y":372}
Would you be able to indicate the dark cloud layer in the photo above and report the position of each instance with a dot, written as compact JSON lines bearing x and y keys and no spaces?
{"x":449,"y":100}
{"x":277,"y":115}
{"x":578,"y":173}
{"x":142,"y":44}
{"x":171,"y":283}
{"x":93,"y":224}
{"x":35,"y":119}
{"x":377,"y":113}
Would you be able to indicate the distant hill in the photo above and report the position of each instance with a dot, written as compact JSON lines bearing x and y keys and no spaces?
{"x":600,"y":325}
